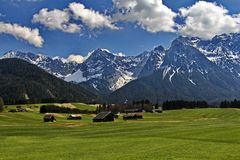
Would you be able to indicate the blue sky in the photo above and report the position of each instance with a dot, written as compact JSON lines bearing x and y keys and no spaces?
{"x":132,"y":37}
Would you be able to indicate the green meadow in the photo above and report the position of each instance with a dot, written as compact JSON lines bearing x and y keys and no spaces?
{"x":197,"y":134}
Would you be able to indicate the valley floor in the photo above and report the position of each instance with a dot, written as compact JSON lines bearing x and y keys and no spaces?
{"x":182,"y":135}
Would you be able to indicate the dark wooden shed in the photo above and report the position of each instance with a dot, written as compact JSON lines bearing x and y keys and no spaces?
{"x":104,"y":117}
{"x":49,"y":118}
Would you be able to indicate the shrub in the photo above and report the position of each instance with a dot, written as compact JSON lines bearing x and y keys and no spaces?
{"x":1,"y":104}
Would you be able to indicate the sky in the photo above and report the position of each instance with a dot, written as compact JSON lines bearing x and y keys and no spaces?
{"x":64,"y":27}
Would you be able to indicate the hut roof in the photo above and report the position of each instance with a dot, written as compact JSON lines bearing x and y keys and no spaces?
{"x":75,"y":115}
{"x":102,"y":115}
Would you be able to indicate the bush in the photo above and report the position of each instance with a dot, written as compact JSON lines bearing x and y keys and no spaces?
{"x":1,"y":104}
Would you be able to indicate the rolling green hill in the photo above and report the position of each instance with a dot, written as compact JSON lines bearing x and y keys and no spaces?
{"x":22,"y":80}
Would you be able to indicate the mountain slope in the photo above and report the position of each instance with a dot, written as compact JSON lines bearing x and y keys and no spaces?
{"x":223,"y":50}
{"x":59,"y":67}
{"x":22,"y":80}
{"x":184,"y":74}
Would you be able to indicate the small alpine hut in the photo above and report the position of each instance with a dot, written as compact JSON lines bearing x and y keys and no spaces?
{"x":49,"y":118}
{"x":74,"y":117}
{"x":104,"y":117}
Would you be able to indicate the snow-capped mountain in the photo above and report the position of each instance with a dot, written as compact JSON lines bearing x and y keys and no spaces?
{"x":186,"y":73}
{"x":153,"y":62}
{"x":223,"y":50}
{"x":191,"y":62}
{"x":115,"y":70}
{"x":103,"y":70}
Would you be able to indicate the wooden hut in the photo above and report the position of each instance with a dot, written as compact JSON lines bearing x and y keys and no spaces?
{"x":49,"y":118}
{"x":104,"y":117}
{"x":74,"y":117}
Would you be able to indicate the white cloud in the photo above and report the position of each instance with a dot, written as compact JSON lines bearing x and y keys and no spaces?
{"x":76,"y":58}
{"x":120,"y":54}
{"x":91,"y":18}
{"x":206,"y":19}
{"x":61,"y":19}
{"x":151,"y":15}
{"x":56,"y":19}
{"x":21,"y":32}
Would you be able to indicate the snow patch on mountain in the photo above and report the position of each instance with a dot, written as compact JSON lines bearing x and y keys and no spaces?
{"x":76,"y":77}
{"x":122,"y":80}
{"x":63,"y":60}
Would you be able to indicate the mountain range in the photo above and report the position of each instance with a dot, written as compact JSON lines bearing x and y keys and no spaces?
{"x":191,"y":68}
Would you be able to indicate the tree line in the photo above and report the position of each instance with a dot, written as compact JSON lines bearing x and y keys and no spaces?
{"x":11,"y":101}
{"x":1,"y":104}
{"x":57,"y":109}
{"x":181,"y":104}
{"x":145,"y":105}
{"x":115,"y":108}
{"x":230,"y":104}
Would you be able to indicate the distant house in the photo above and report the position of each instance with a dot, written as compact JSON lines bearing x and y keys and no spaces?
{"x":132,"y":117}
{"x":49,"y":118}
{"x":104,"y":117}
{"x":157,"y":110}
{"x":74,"y":117}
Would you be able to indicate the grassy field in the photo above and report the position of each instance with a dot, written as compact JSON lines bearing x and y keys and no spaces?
{"x":182,"y":135}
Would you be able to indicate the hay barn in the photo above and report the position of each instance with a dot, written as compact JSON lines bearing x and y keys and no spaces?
{"x":104,"y":117}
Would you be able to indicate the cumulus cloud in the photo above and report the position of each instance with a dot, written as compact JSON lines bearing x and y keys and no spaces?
{"x":91,"y":18}
{"x":21,"y":32}
{"x":206,"y":19}
{"x":61,"y":19}
{"x":56,"y":19}
{"x":76,"y":58}
{"x":151,"y":15}
{"x":120,"y":54}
